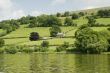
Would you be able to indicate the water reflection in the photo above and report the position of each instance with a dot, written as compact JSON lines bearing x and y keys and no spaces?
{"x":1,"y":62}
{"x":69,"y":63}
{"x":54,"y":63}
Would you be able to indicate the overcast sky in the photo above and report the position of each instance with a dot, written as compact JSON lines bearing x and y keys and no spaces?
{"x":18,"y":8}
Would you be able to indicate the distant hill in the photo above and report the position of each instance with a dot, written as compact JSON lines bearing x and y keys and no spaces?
{"x":93,"y":10}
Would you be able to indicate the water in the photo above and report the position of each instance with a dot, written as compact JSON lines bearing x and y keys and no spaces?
{"x":54,"y":63}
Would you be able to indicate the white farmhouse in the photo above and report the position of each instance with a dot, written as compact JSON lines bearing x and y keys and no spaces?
{"x":61,"y":35}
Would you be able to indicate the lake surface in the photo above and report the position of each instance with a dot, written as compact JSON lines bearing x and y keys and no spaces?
{"x":54,"y":63}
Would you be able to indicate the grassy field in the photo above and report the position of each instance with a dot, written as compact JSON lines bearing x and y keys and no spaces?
{"x":43,"y":32}
{"x":1,"y":30}
{"x":21,"y":35}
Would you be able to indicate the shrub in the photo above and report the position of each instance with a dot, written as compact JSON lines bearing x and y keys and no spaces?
{"x":54,"y":30}
{"x":34,"y":36}
{"x":67,"y":13}
{"x":11,"y":50}
{"x":43,"y":49}
{"x":45,"y":44}
{"x":89,"y":41}
{"x":108,"y":29}
{"x":36,"y":49}
{"x":91,"y":21}
{"x":65,"y":45}
{"x":1,"y":50}
{"x":75,"y":16}
{"x":2,"y":42}
{"x":68,"y":22}
{"x":81,"y":14}
{"x":58,"y":14}
{"x":28,"y":50}
{"x":3,"y":33}
{"x":60,"y":48}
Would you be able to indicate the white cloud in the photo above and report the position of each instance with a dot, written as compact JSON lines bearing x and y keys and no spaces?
{"x":7,"y":10}
{"x":5,"y":4}
{"x":36,"y":13}
{"x":55,"y":2}
{"x":18,"y":14}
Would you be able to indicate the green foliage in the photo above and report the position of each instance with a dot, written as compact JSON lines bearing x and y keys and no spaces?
{"x":2,"y":42}
{"x":91,"y":21}
{"x":2,"y":50}
{"x":81,"y":13}
{"x":60,"y":48}
{"x":43,"y":49}
{"x":11,"y":50}
{"x":63,"y":47}
{"x":67,"y":13}
{"x":58,"y":14}
{"x":89,"y":41}
{"x":75,"y":16}
{"x":24,"y":20}
{"x":54,"y":30}
{"x":9,"y":25}
{"x":27,"y":50}
{"x":68,"y":22}
{"x":104,"y":13}
{"x":45,"y":21}
{"x":45,"y":44}
{"x":34,"y":36}
{"x":33,"y":22}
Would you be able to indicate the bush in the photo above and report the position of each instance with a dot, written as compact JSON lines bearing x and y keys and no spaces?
{"x":45,"y":44}
{"x":34,"y":36}
{"x":60,"y":48}
{"x":58,"y":14}
{"x":75,"y":16}
{"x":68,"y":22}
{"x":108,"y":29}
{"x":89,"y":41}
{"x":3,"y":33}
{"x":63,"y":47}
{"x":43,"y":49}
{"x":2,"y":42}
{"x":36,"y":49}
{"x":54,"y":30}
{"x":28,"y":50}
{"x":91,"y":21}
{"x":1,"y":50}
{"x":67,"y":13}
{"x":81,"y":14}
{"x":11,"y":50}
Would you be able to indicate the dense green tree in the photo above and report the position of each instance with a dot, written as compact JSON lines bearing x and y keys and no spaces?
{"x":58,"y":14}
{"x":14,"y":24}
{"x":34,"y":36}
{"x":54,"y":30}
{"x":91,"y":21}
{"x":89,"y":41}
{"x":47,"y":21}
{"x":65,"y":44}
{"x":68,"y":22}
{"x":2,"y":42}
{"x":103,"y":13}
{"x":75,"y":16}
{"x":8,"y":28}
{"x":67,"y":13}
{"x":24,"y":20}
{"x":81,"y":14}
{"x":52,"y":20}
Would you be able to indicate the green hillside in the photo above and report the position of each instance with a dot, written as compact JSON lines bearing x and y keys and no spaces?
{"x":21,"y":35}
